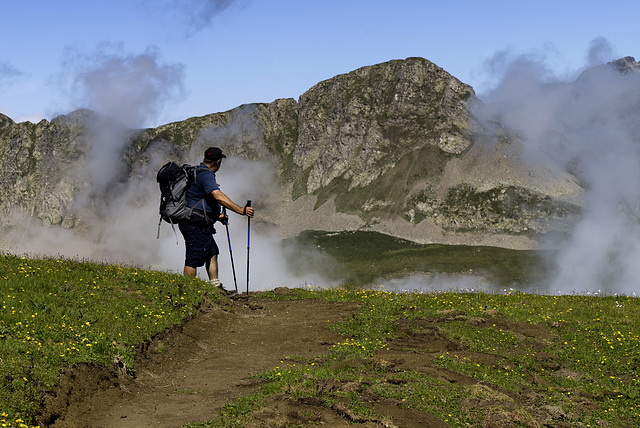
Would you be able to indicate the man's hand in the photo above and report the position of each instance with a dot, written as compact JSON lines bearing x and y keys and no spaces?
{"x":248,"y":211}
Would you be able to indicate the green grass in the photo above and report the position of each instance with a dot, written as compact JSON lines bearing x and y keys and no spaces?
{"x":55,"y":313}
{"x":363,"y":258}
{"x":587,"y":364}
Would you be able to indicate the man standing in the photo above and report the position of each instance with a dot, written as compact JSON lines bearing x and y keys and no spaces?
{"x":200,"y":247}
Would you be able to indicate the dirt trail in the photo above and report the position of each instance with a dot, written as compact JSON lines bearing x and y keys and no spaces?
{"x":192,"y":373}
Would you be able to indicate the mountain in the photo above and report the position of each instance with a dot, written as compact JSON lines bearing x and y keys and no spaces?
{"x":398,"y":147}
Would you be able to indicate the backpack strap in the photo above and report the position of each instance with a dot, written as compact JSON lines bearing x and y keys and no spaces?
{"x":172,"y":227}
{"x":204,"y":211}
{"x":196,"y":170}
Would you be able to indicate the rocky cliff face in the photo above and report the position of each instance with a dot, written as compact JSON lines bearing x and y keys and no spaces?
{"x":392,"y":147}
{"x":40,"y":175}
{"x":356,"y":127}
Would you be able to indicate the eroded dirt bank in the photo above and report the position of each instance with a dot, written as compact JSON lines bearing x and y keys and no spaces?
{"x":189,"y":374}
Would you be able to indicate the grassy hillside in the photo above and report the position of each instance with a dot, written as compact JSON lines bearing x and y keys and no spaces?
{"x":469,"y":359}
{"x":576,"y":356}
{"x":56,"y":313}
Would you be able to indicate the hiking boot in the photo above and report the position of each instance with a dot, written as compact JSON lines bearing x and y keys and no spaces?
{"x":218,"y":284}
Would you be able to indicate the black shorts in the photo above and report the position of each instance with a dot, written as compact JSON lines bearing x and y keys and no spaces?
{"x":199,"y":243}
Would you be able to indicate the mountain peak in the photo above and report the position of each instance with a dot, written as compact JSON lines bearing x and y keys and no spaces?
{"x":626,"y":65}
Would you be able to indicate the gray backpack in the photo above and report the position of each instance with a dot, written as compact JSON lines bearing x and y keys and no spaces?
{"x":174,"y":180}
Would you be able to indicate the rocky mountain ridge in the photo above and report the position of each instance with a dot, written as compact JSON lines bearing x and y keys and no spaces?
{"x":394,"y":147}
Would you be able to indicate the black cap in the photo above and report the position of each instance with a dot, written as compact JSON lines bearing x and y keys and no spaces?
{"x":213,"y":154}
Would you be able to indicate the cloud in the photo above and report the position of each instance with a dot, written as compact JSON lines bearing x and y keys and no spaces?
{"x":428,"y":283}
{"x":506,"y":67}
{"x":126,"y":91}
{"x":7,"y":70}
{"x":190,"y":17}
{"x":201,"y":13}
{"x":130,"y":88}
{"x":8,"y":73}
{"x":600,"y":52}
{"x":590,"y":127}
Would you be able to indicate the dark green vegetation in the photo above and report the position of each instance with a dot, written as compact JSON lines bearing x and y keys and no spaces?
{"x":362,"y":258}
{"x":56,"y":313}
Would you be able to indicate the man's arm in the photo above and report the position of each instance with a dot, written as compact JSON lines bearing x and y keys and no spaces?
{"x":224,"y":200}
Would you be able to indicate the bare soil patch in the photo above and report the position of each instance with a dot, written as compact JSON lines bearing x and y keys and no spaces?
{"x":189,"y":374}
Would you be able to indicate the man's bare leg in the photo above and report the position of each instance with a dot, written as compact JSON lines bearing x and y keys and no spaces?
{"x":212,"y":268}
{"x":212,"y":271}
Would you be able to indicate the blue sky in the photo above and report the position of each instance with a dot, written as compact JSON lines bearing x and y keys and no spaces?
{"x":174,"y":59}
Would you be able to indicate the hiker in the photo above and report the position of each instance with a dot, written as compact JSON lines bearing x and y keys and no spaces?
{"x":200,"y":247}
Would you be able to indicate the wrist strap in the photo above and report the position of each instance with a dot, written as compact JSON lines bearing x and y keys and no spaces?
{"x":244,"y":211}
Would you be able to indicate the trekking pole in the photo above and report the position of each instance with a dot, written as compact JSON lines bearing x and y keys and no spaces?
{"x":248,"y":246}
{"x":233,"y":267}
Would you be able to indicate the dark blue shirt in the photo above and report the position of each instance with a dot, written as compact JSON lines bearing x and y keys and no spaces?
{"x":204,"y":184}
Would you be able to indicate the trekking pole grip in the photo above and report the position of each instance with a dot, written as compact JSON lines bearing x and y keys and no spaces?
{"x":248,"y":244}
{"x":248,"y":226}
{"x":244,"y":209}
